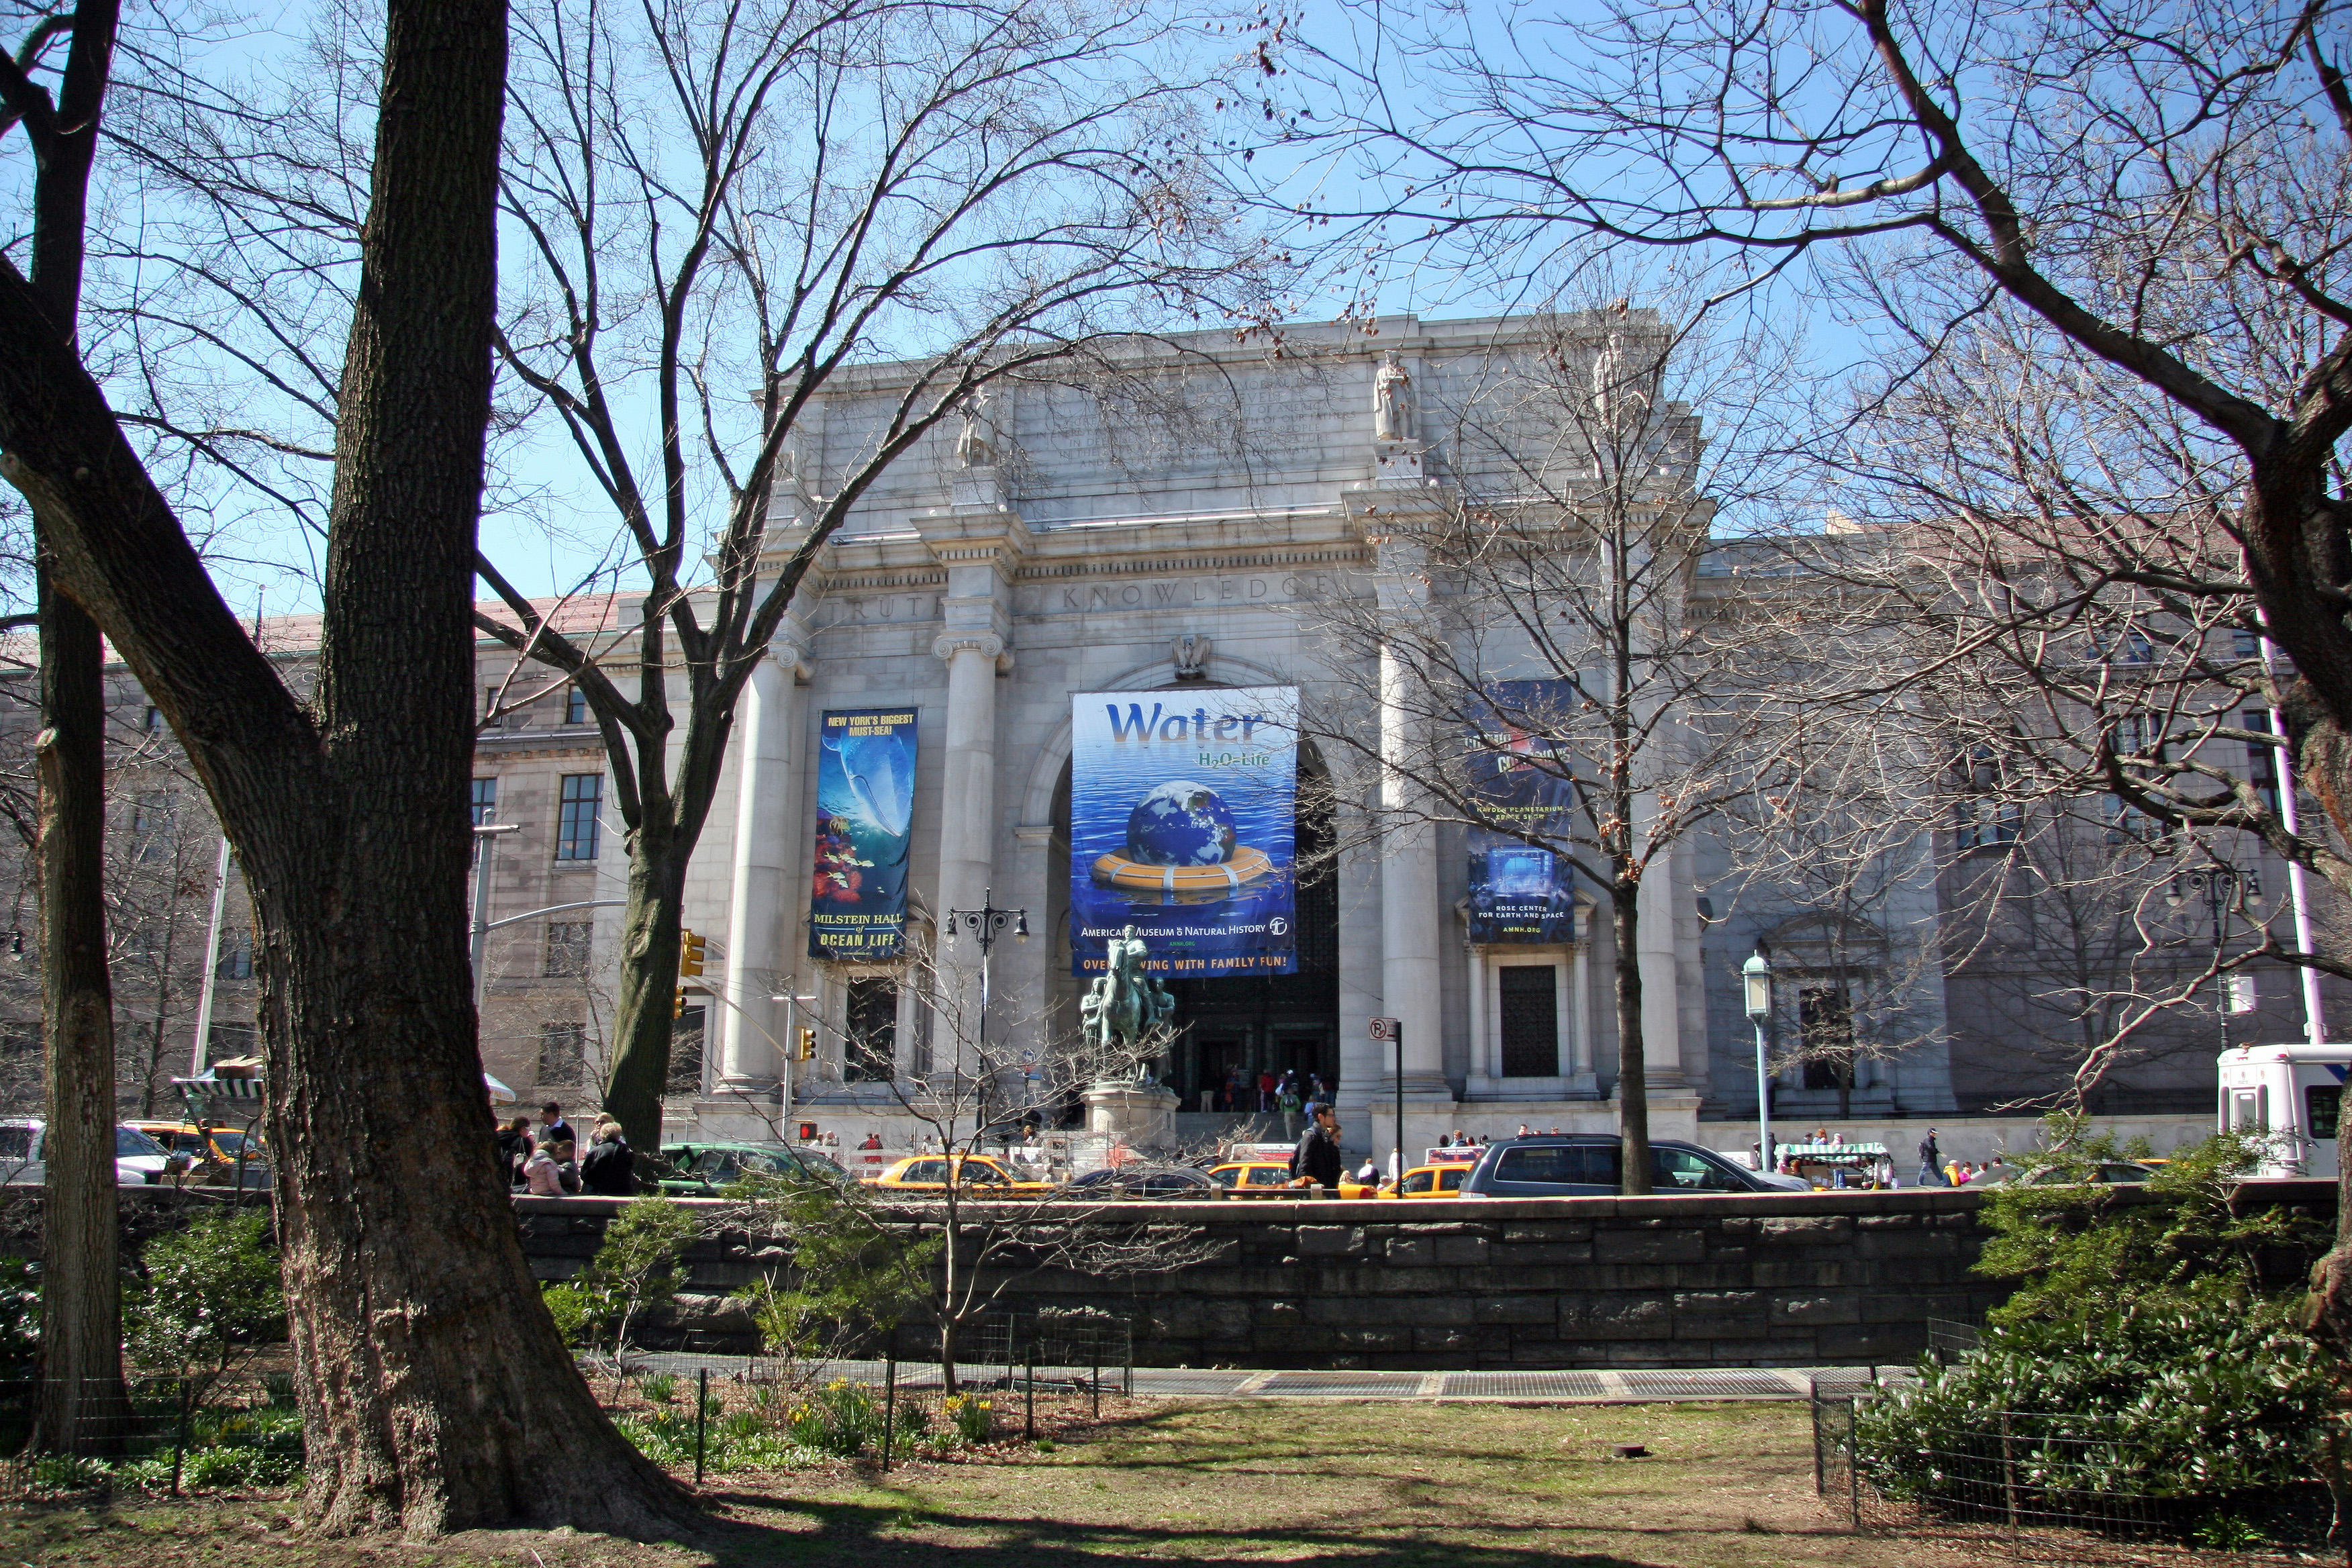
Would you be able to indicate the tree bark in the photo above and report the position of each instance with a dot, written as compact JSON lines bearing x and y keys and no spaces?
{"x":435,"y":1392}
{"x":1632,"y":1065}
{"x":644,"y":1017}
{"x":83,"y":1396}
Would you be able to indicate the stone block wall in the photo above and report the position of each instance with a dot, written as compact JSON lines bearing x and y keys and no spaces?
{"x":1807,"y":1279}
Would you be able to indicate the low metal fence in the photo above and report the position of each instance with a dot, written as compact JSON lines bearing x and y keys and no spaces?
{"x":160,"y":1436}
{"x":2033,"y":1486}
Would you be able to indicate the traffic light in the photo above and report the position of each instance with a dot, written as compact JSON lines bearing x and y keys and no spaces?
{"x":677,"y":1006}
{"x":804,"y":1047}
{"x":689,"y":953}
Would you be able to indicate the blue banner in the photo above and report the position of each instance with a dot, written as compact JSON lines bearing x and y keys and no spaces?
{"x":1184,"y":816}
{"x":1520,"y":891}
{"x":865,"y":805}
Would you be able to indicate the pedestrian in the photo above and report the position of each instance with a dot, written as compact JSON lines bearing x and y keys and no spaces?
{"x":514,"y":1148}
{"x":1315,"y":1162}
{"x":610,"y":1169}
{"x":1525,"y":1131}
{"x":1265,"y":1089}
{"x":1315,"y":1089}
{"x":567,"y":1167}
{"x":1289,"y":1103}
{"x":542,"y":1176}
{"x":552,"y":1128}
{"x":1931,"y":1162}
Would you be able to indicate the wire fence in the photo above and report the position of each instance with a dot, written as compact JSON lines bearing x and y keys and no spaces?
{"x":162,"y":1435}
{"x":2032,"y":1486}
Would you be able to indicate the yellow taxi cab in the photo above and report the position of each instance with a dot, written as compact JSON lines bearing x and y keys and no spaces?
{"x":1271,"y":1179}
{"x":1428,"y":1182}
{"x":207,"y":1145}
{"x":979,"y":1175}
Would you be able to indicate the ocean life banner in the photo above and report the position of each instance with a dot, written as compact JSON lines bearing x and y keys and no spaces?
{"x":864,"y":807}
{"x":1519,"y":892}
{"x":1183,"y":824}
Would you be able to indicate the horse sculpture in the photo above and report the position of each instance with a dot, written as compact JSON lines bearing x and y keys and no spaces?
{"x":1124,"y":1005}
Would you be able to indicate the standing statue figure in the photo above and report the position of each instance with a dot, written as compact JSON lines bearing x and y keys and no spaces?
{"x":976,"y":443}
{"x":1124,"y":1005}
{"x":1392,"y":400}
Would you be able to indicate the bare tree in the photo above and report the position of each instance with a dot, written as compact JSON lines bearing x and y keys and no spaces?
{"x":436,"y":1393}
{"x":728,"y":204}
{"x":1537,"y":635}
{"x":2147,"y":202}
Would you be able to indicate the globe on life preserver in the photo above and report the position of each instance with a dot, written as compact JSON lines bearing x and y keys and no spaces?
{"x":1247,"y":866}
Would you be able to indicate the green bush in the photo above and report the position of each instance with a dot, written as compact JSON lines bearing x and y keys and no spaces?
{"x":210,"y":1293}
{"x":661,"y":1387}
{"x":20,"y":1318}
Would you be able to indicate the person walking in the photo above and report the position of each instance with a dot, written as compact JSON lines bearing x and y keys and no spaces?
{"x":1931,"y":1162}
{"x":1317,"y":1162}
{"x":514,"y":1148}
{"x":610,"y":1169}
{"x":1265,"y":1089}
{"x":1289,"y":1103}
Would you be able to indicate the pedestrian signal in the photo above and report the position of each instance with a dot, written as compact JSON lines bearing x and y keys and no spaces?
{"x":689,"y":953}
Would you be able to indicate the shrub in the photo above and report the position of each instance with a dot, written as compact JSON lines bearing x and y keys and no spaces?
{"x":209,"y":1295}
{"x":20,"y":1318}
{"x":839,"y":1418}
{"x":661,"y":1387}
{"x":969,"y":1416}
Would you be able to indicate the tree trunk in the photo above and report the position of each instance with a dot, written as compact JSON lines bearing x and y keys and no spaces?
{"x":1632,"y":1067}
{"x":81,"y":1307}
{"x":435,"y":1392}
{"x":645,"y":1018}
{"x":82,"y":1396}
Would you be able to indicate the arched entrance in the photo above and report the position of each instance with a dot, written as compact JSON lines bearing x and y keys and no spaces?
{"x":1243,"y":1025}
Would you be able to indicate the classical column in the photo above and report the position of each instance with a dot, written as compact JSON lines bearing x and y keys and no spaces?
{"x":1410,"y":915}
{"x":774,"y":716}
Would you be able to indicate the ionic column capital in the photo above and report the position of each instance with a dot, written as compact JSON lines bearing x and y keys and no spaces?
{"x":988,"y":645}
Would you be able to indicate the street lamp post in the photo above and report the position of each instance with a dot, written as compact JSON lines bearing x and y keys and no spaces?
{"x":2221,"y":888}
{"x":987,"y":924}
{"x":1756,"y":975}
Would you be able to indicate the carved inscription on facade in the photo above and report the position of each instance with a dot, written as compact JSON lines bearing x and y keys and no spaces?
{"x":1206,"y":592}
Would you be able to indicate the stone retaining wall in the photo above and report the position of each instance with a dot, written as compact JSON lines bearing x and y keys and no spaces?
{"x":1806,"y":1279}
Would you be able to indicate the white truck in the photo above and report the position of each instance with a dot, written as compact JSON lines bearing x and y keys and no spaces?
{"x":2295,"y":1093}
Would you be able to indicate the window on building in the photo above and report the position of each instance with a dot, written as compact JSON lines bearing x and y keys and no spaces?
{"x":2129,"y":825}
{"x":235,"y":956}
{"x":150,"y":821}
{"x":1825,"y":1027}
{"x":1986,"y":823}
{"x":872,"y":1026}
{"x":2245,"y":642}
{"x":486,"y":802}
{"x":575,"y":706}
{"x":575,"y":820}
{"x":562,"y":1053}
{"x":2262,"y":757}
{"x":1530,"y":1019}
{"x":153,"y":723}
{"x":490,"y":704}
{"x":567,"y":947}
{"x":226,"y":1041}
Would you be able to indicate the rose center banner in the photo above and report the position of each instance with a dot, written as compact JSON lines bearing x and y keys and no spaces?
{"x":865,"y":805}
{"x":1520,"y":891}
{"x":1183,"y":819}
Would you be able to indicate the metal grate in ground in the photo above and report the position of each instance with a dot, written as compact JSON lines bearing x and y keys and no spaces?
{"x":1524,"y":1385}
{"x":1359,"y":1384}
{"x":1730,"y":1382}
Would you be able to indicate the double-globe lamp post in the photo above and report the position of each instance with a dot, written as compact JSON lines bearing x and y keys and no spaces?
{"x":1756,"y":975}
{"x":987,"y":924}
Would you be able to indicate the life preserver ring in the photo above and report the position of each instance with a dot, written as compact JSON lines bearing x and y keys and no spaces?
{"x":1247,"y":866}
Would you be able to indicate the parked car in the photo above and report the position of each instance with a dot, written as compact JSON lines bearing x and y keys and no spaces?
{"x":216,"y":1150}
{"x":1588,"y":1164}
{"x":976,"y":1173}
{"x":1175,"y":1181}
{"x":1271,"y":1179}
{"x":2107,"y":1173}
{"x":138,"y":1160}
{"x":1429,"y":1182}
{"x":705,"y":1170}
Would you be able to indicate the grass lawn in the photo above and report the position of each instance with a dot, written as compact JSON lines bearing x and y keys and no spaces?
{"x":1375,"y":1484}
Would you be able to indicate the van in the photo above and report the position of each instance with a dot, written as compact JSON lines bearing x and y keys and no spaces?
{"x":2293,"y":1094}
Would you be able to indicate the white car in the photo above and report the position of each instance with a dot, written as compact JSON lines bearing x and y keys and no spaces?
{"x":138,"y":1160}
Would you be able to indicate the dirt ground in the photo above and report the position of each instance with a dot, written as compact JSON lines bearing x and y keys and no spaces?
{"x":1401,"y":1485}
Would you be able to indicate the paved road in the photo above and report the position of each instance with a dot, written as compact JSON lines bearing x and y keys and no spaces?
{"x":1549,"y":1387}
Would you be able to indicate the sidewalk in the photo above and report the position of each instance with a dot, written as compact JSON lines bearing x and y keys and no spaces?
{"x":1610,"y":1387}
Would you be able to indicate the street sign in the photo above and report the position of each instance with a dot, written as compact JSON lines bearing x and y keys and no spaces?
{"x":1384,"y":1028}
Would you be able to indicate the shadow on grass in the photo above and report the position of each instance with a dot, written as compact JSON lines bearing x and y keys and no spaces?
{"x":1429,"y":1520}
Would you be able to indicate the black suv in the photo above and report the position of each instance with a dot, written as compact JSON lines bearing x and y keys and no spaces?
{"x":1590,"y":1165}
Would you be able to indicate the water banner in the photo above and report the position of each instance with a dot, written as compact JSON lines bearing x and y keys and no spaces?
{"x":1521,"y":891}
{"x":1183,"y":824}
{"x":865,"y":805}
